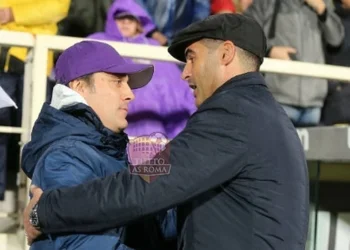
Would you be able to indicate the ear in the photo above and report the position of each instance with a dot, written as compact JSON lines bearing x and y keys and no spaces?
{"x":77,"y":86}
{"x":228,"y":52}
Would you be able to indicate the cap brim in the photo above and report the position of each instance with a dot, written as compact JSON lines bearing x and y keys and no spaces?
{"x":139,"y":74}
{"x":178,"y":47}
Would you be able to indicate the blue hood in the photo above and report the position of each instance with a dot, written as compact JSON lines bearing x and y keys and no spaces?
{"x":77,"y":122}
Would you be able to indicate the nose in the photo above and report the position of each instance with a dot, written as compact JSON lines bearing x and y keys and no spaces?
{"x":128,"y":95}
{"x":186,"y":73}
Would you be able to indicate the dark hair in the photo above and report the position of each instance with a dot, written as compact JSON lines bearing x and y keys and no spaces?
{"x":249,"y":60}
{"x":89,"y":79}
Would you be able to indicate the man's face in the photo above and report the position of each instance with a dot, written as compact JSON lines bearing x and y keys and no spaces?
{"x":128,"y":27}
{"x":109,"y":98}
{"x":201,"y":70}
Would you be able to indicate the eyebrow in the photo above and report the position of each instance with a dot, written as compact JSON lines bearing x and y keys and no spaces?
{"x":189,"y":52}
{"x":116,"y":77}
{"x":120,"y":75}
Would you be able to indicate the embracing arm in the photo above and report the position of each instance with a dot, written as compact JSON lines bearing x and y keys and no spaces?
{"x":64,"y":167}
{"x":209,"y":152}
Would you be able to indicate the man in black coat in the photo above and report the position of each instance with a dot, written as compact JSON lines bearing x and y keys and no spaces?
{"x":238,"y":174}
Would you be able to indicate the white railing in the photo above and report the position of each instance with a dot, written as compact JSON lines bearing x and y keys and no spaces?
{"x":41,"y":44}
{"x":36,"y":68}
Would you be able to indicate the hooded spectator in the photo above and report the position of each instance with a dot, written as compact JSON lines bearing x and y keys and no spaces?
{"x":298,"y":30}
{"x":165,"y":104}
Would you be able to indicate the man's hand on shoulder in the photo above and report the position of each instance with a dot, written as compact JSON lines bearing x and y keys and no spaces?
{"x":30,"y":231}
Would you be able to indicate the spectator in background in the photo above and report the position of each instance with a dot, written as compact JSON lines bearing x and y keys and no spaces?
{"x":336,"y":109}
{"x":88,"y":16}
{"x":166,"y":103}
{"x":222,"y":6}
{"x":36,"y":17}
{"x":297,"y":30}
{"x":172,"y":16}
{"x":84,"y":18}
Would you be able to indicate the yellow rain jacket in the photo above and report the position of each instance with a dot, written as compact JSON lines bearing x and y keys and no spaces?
{"x":35,"y":17}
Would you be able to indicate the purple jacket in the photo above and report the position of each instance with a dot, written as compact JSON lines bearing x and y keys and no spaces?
{"x":165,"y":104}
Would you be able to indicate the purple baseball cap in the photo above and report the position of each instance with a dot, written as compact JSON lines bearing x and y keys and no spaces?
{"x":89,"y":57}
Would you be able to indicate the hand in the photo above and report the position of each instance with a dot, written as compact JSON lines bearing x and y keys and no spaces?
{"x":346,"y":4}
{"x":245,"y":4}
{"x":6,"y":15}
{"x":318,"y":5}
{"x":281,"y":52}
{"x":163,"y":40}
{"x":31,"y":232}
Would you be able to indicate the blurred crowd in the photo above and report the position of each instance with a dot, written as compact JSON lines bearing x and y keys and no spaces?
{"x":316,"y":31}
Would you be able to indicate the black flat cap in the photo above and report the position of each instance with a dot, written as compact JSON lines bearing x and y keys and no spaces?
{"x":243,"y":31}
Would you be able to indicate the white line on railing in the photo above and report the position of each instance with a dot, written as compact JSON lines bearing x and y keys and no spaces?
{"x":143,"y":51}
{"x":11,"y":130}
{"x":20,"y":39}
{"x":59,"y":43}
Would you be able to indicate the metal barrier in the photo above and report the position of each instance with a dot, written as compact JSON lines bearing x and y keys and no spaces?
{"x":36,"y":68}
{"x":43,"y":43}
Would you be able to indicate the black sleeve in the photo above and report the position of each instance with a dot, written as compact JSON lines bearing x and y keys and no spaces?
{"x":323,"y":16}
{"x":146,"y":235}
{"x":210,"y":151}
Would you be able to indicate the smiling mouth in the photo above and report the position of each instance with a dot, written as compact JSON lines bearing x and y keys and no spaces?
{"x":192,"y":86}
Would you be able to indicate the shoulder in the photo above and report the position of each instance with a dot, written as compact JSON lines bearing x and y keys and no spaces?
{"x":70,"y":147}
{"x":73,"y":151}
{"x":67,"y":159}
